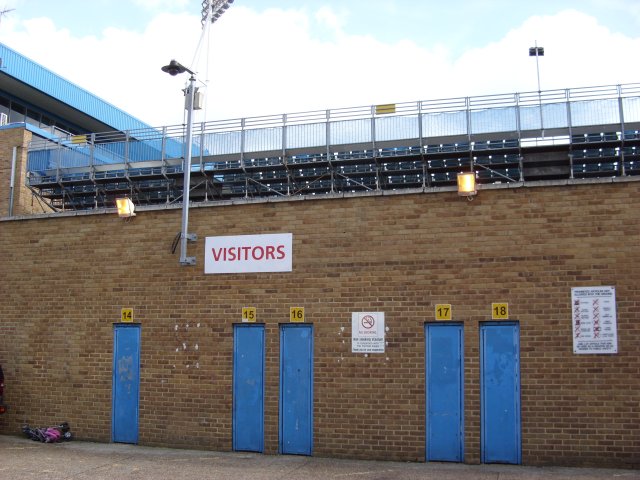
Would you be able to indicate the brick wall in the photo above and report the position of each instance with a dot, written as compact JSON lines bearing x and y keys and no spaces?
{"x":66,"y":278}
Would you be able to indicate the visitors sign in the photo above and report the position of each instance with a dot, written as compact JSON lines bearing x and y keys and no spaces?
{"x":249,"y":253}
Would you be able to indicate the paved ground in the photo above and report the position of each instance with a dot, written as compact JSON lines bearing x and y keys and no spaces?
{"x":21,"y":459}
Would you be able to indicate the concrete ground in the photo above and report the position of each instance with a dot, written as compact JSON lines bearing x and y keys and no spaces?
{"x":21,"y":459}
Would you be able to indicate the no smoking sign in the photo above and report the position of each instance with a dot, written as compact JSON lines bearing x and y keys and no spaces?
{"x":367,"y":332}
{"x":368,"y":322}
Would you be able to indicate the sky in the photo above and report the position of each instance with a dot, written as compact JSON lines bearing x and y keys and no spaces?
{"x":266,"y":57}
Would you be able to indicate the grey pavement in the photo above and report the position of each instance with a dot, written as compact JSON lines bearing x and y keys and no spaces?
{"x":21,"y":459}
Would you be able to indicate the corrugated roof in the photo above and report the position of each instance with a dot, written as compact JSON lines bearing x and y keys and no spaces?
{"x":45,"y":81}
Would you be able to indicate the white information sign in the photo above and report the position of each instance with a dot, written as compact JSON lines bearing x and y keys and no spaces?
{"x":367,"y":332}
{"x":249,"y":253}
{"x":594,"y":320}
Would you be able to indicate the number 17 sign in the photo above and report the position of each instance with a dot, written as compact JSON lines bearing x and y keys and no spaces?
{"x":443,"y":311}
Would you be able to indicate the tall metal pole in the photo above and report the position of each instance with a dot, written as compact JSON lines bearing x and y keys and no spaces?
{"x":538,"y":52}
{"x":186,"y":187}
{"x":538,"y":65}
{"x":211,"y":11}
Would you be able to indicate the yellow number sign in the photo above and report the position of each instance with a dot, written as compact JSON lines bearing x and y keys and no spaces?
{"x":443,"y":311}
{"x":126,"y":315}
{"x":249,"y":314}
{"x":296,"y":314}
{"x":499,"y":311}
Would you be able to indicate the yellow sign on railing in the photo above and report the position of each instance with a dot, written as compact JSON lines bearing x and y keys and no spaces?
{"x":385,"y":109}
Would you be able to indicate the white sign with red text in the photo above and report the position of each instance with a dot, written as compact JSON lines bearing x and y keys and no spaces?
{"x":249,"y":253}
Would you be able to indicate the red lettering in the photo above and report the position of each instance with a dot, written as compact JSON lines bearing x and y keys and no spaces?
{"x":257,"y":253}
{"x":231,"y":254}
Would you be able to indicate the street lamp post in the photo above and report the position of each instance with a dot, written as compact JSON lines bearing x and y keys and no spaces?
{"x":212,"y":10}
{"x":174,"y":68}
{"x":538,"y":52}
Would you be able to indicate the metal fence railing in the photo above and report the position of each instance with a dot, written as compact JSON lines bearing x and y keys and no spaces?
{"x":519,"y":137}
{"x":517,"y":115}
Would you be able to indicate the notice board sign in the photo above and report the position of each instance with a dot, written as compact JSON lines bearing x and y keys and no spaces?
{"x":594,"y":320}
{"x":367,"y":332}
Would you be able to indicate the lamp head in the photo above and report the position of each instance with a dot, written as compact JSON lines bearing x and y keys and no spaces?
{"x":174,"y":68}
{"x":467,"y":184}
{"x":126,"y":208}
{"x":536,"y":51}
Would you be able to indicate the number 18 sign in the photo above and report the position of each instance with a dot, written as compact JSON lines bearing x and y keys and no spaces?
{"x":499,"y":311}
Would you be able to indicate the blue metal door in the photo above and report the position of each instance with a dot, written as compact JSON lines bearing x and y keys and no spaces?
{"x":500,"y":392}
{"x":445,"y":401}
{"x":296,"y":389}
{"x":126,"y":383}
{"x":248,"y":387}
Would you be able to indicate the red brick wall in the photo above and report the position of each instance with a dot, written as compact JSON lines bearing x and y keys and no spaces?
{"x":65,"y":280}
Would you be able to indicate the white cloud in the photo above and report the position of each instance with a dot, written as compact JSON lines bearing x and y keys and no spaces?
{"x":276,"y":61}
{"x":161,"y":4}
{"x":326,"y":16}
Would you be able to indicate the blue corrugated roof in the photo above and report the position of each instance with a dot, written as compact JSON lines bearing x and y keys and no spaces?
{"x":38,"y":77}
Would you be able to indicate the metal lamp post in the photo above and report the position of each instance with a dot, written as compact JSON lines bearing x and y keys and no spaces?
{"x":211,"y":10}
{"x":174,"y":68}
{"x":537,"y":52}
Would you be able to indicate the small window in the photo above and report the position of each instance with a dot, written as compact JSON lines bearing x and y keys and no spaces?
{"x":46,"y":121}
{"x":33,"y":117}
{"x":17,"y":113}
{"x":4,"y":105}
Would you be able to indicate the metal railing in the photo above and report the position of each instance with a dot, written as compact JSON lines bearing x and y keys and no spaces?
{"x":517,"y":114}
{"x":368,"y":136}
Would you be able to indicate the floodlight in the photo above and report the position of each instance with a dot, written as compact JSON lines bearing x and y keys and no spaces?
{"x":467,"y":184}
{"x":125,"y":207}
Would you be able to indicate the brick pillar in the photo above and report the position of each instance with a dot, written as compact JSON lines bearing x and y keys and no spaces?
{"x":24,"y":201}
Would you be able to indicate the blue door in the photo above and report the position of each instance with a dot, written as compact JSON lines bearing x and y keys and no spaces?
{"x":248,"y":387}
{"x":296,"y":389}
{"x":126,"y":383}
{"x":445,"y":402}
{"x":500,"y":392}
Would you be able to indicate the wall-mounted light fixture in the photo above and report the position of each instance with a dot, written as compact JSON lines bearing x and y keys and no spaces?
{"x":467,"y":184}
{"x":125,"y":207}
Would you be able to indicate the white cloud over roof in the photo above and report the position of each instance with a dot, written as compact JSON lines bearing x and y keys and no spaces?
{"x":289,"y":60}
